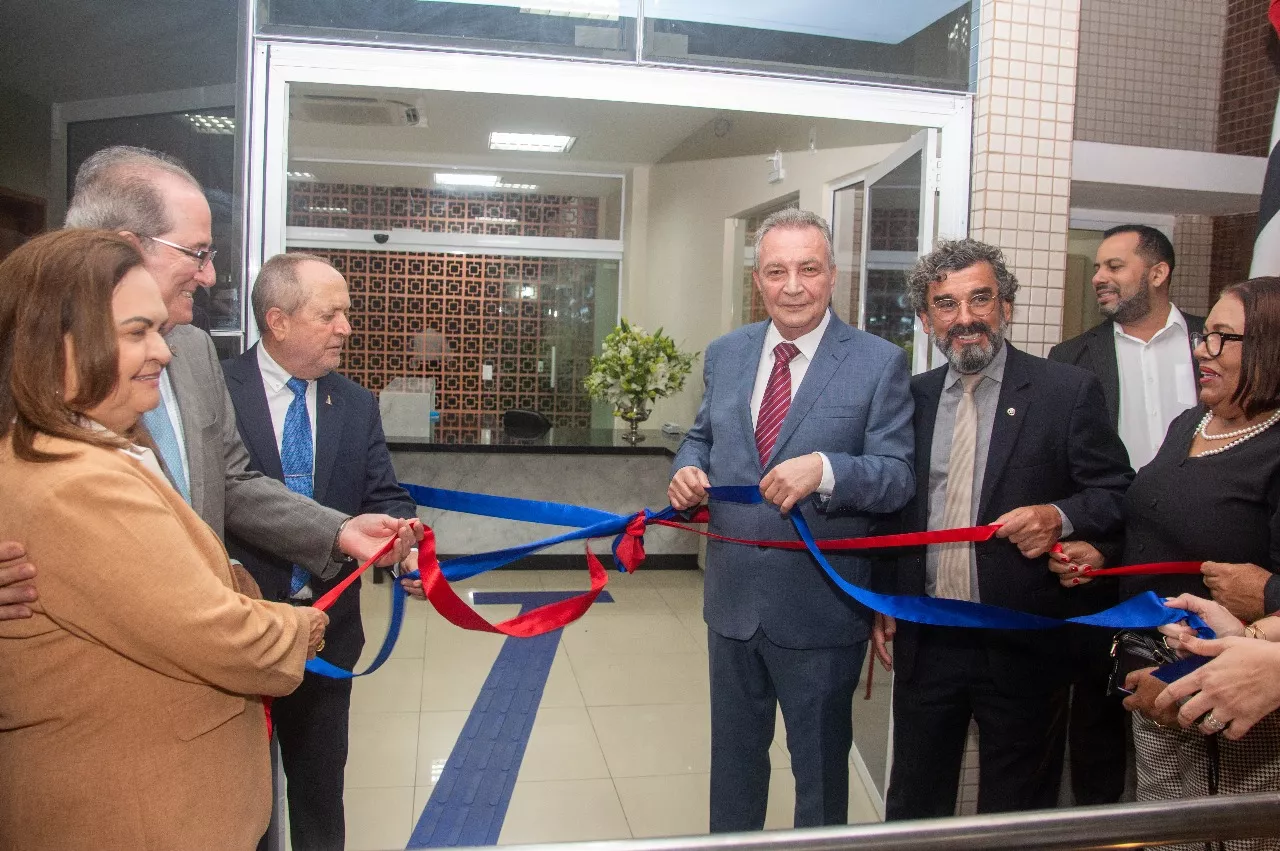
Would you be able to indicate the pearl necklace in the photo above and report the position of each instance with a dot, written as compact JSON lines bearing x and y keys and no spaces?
{"x":1240,"y":435}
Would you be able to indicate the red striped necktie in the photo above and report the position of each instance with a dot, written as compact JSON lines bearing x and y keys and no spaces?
{"x":776,"y":401}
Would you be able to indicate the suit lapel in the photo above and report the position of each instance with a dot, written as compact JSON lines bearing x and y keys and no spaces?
{"x":253,"y":415}
{"x":926,"y":418}
{"x":329,"y":421}
{"x":191,"y":411}
{"x":742,"y":379}
{"x":830,"y":353}
{"x":1011,"y":412}
{"x":1102,"y":351}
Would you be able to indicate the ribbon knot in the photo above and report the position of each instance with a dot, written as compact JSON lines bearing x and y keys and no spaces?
{"x":628,"y":547}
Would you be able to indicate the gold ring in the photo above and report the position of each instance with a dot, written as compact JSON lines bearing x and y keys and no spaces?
{"x":320,"y":646}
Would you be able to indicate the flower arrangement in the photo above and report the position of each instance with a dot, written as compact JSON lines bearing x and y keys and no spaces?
{"x":634,"y":369}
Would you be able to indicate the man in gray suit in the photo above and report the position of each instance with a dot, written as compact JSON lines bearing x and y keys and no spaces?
{"x":157,"y":204}
{"x":819,"y":414}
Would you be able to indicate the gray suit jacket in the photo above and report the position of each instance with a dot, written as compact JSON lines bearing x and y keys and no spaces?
{"x":855,"y":406}
{"x":224,"y":492}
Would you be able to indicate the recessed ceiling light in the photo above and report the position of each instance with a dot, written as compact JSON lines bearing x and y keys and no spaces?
{"x":462,"y":179}
{"x":496,"y":220}
{"x":548,"y":143}
{"x":219,"y":125}
{"x":523,"y":187}
{"x":337,"y":211}
{"x":301,"y":175}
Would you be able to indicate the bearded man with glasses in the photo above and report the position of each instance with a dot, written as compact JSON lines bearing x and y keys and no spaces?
{"x":1007,"y":438}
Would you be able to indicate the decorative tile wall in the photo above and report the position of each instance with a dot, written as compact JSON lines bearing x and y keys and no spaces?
{"x":1024,"y":113}
{"x":445,"y":316}
{"x":1249,"y":81}
{"x":1193,"y":247}
{"x":341,"y":205}
{"x":1151,"y":71}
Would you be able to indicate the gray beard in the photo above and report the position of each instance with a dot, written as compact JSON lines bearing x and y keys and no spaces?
{"x":974,"y":358}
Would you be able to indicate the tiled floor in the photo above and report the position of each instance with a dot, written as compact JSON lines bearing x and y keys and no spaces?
{"x":621,"y":742}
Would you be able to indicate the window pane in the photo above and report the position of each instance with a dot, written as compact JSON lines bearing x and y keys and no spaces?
{"x":600,"y":28}
{"x":846,"y":232}
{"x":205,"y":143}
{"x":924,"y":43}
{"x":384,"y":198}
{"x":893,"y":246}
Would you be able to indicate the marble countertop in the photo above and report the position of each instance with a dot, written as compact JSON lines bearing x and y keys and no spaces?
{"x":557,"y":441}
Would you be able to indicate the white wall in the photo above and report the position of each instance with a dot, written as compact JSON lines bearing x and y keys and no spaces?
{"x":675,"y":274}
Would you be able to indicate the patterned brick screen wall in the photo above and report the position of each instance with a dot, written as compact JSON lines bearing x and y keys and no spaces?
{"x":445,"y":316}
{"x":344,"y":205}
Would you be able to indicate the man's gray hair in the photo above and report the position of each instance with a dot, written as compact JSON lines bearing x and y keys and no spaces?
{"x":115,"y":190}
{"x":793,"y":217}
{"x":952,"y":256}
{"x":277,"y":285}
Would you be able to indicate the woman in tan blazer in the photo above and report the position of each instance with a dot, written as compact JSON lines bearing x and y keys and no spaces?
{"x":130,"y":715}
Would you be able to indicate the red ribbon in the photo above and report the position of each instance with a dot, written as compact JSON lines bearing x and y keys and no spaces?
{"x":1155,"y":568}
{"x":539,"y":621}
{"x":968,"y":534}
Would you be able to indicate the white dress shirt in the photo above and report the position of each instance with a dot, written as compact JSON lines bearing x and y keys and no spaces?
{"x":1157,"y":383}
{"x":279,"y":397}
{"x":799,"y":366}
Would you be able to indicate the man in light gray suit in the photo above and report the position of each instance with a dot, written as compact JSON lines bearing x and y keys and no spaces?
{"x":155,"y":202}
{"x":819,"y":414}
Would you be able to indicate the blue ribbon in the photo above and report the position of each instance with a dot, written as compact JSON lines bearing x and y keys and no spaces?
{"x":1145,"y":611}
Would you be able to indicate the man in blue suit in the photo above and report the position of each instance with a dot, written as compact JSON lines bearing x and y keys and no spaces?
{"x":819,"y":414}
{"x":321,"y":434}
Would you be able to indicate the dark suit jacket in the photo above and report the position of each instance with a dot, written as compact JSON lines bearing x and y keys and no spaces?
{"x":1095,"y":350}
{"x":854,"y":405}
{"x":1050,"y":443}
{"x":353,"y":474}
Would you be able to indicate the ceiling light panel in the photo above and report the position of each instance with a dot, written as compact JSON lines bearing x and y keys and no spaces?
{"x":462,"y":179}
{"x":547,"y":143}
{"x":218,"y":125}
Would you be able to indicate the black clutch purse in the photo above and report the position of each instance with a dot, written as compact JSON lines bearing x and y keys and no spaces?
{"x":1133,"y":651}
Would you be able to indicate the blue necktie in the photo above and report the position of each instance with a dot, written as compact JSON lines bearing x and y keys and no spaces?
{"x":160,"y":427}
{"x":297,"y":460}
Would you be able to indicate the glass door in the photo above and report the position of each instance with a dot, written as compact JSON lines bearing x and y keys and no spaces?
{"x":898,"y":226}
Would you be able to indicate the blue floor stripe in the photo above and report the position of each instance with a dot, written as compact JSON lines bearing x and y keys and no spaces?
{"x":469,"y":802}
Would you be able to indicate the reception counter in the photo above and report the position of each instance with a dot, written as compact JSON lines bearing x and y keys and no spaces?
{"x":591,"y":467}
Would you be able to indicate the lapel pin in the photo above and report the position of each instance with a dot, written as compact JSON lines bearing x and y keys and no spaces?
{"x":328,"y":400}
{"x":1010,"y":411}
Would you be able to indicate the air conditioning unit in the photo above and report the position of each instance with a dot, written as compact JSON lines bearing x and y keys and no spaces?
{"x":355,"y":111}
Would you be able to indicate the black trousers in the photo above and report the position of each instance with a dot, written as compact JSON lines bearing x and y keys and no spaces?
{"x":1098,"y":726}
{"x":749,"y":681}
{"x":311,"y":727}
{"x":1020,"y":731}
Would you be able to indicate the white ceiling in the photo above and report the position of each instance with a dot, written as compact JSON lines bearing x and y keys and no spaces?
{"x":610,"y":136}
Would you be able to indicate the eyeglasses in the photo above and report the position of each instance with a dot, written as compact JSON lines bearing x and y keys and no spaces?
{"x":981,"y":304}
{"x":202,"y":256}
{"x":1213,"y":341}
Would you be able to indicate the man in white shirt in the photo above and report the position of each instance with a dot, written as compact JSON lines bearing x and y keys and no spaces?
{"x":1142,"y":356}
{"x":1142,"y":352}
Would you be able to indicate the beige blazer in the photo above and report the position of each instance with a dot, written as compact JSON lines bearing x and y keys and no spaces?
{"x":129,"y":715}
